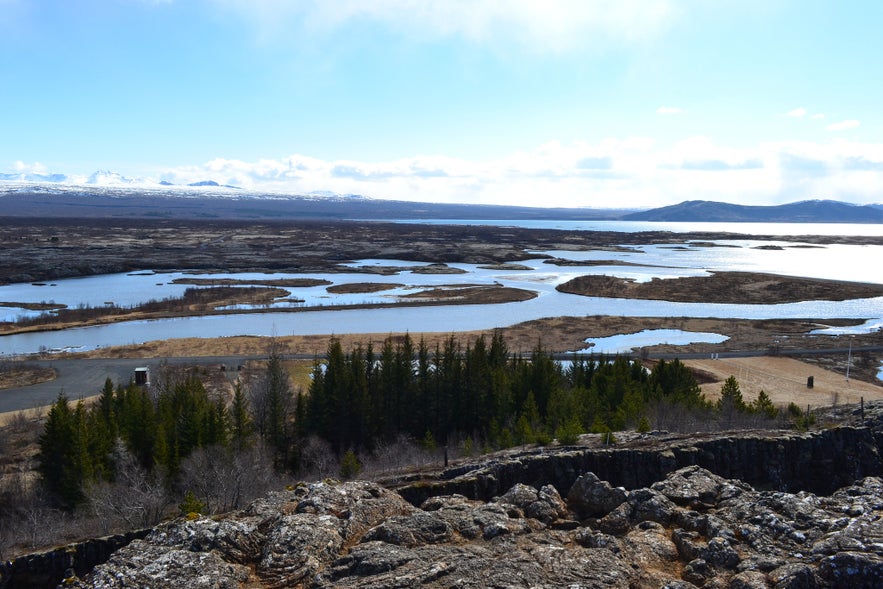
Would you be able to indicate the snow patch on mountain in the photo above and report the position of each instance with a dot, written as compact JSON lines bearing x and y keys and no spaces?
{"x":114,"y":184}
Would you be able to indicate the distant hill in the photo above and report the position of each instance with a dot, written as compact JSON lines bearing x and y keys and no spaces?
{"x":108,"y":194}
{"x":207,"y":201}
{"x":807,"y":211}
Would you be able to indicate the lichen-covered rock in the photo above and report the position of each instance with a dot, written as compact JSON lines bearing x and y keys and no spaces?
{"x":544,"y":504}
{"x":748,"y":580}
{"x":650,"y":505}
{"x":795,"y":575}
{"x":694,"y":487}
{"x":503,"y":562}
{"x":694,"y":529}
{"x":618,"y":521}
{"x":236,"y":540}
{"x":141,"y":564}
{"x":719,"y":553}
{"x":698,"y":572}
{"x":591,"y":497}
{"x":417,"y":529}
{"x":853,"y":570}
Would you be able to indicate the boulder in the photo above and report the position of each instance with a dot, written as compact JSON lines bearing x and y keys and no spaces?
{"x":853,"y":570}
{"x":693,"y":487}
{"x":591,"y":497}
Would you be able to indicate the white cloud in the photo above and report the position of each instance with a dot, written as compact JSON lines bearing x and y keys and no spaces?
{"x":818,"y":116}
{"x":669,"y":110}
{"x":797,"y":112}
{"x":626,"y":172}
{"x":549,"y":25}
{"x":843,"y":125}
{"x":32,"y":168}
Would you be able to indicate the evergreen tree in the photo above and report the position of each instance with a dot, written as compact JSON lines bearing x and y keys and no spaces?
{"x":674,"y":381}
{"x":763,"y":405}
{"x":568,"y":433}
{"x":279,"y":398}
{"x":63,"y":458}
{"x":425,"y":411}
{"x":138,"y":425}
{"x":730,"y":402}
{"x":184,"y":413}
{"x":103,"y":429}
{"x":241,"y":425}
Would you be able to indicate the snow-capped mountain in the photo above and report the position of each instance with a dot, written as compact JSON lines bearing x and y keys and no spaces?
{"x":32,"y":177}
{"x":100,"y":178}
{"x":114,"y":184}
{"x":329,"y":194}
{"x":108,"y":178}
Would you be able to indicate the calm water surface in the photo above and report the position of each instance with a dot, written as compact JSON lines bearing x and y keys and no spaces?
{"x":862,"y":229}
{"x":840,"y":262}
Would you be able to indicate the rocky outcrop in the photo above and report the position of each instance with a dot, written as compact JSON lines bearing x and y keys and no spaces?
{"x":45,"y":569}
{"x":819,"y":461}
{"x":756,"y":509}
{"x":691,"y":529}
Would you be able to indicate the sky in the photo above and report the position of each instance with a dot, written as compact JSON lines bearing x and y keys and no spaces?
{"x":573,"y":103}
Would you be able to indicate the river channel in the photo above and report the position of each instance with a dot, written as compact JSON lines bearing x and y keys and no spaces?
{"x":316,"y":312}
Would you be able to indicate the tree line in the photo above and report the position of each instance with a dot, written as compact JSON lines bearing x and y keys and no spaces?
{"x":363,"y":397}
{"x":82,"y":445}
{"x":477,"y":396}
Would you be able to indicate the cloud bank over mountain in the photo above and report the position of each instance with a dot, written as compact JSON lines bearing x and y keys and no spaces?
{"x":636,"y":171}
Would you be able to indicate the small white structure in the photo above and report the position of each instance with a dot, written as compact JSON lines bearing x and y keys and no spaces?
{"x":142,"y":376}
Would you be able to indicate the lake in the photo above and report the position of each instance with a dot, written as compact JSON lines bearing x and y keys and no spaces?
{"x":839,"y":262}
{"x":861,"y":229}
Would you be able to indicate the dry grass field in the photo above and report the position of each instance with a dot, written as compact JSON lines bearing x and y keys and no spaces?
{"x":784,"y":380}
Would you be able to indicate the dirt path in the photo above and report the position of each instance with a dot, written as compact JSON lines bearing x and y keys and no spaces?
{"x":784,"y":380}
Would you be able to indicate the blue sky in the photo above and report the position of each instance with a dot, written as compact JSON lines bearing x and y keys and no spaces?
{"x":569,"y":103}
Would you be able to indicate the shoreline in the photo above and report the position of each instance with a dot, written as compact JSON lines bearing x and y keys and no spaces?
{"x":474,"y":295}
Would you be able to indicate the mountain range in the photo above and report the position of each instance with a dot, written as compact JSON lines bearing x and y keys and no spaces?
{"x":98,"y":178}
{"x":807,"y":211}
{"x":109,"y":194}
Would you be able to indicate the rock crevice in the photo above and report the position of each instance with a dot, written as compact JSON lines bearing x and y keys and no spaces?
{"x":691,"y":529}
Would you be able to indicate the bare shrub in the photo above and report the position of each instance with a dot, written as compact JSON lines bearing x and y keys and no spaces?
{"x":26,"y":519}
{"x":401,"y":454}
{"x":20,"y":422}
{"x":38,"y":413}
{"x":135,"y":499}
{"x":224,"y":479}
{"x":317,"y":459}
{"x":665,"y":415}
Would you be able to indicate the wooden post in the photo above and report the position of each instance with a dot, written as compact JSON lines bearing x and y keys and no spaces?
{"x":863,"y":411}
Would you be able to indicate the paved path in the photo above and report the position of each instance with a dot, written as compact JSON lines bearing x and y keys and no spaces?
{"x":85,"y":377}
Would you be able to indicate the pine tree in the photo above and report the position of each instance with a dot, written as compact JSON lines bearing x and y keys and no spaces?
{"x":568,"y":433}
{"x":102,"y":427}
{"x":674,"y":381}
{"x":730,"y":402}
{"x":279,"y":397}
{"x":138,"y":424}
{"x":763,"y":405}
{"x":241,"y":425}
{"x":63,"y":458}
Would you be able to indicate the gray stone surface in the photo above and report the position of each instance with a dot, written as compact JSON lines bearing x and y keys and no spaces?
{"x":694,"y":529}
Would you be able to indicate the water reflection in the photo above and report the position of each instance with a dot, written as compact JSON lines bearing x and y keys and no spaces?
{"x":636,"y":262}
{"x":625,"y":343}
